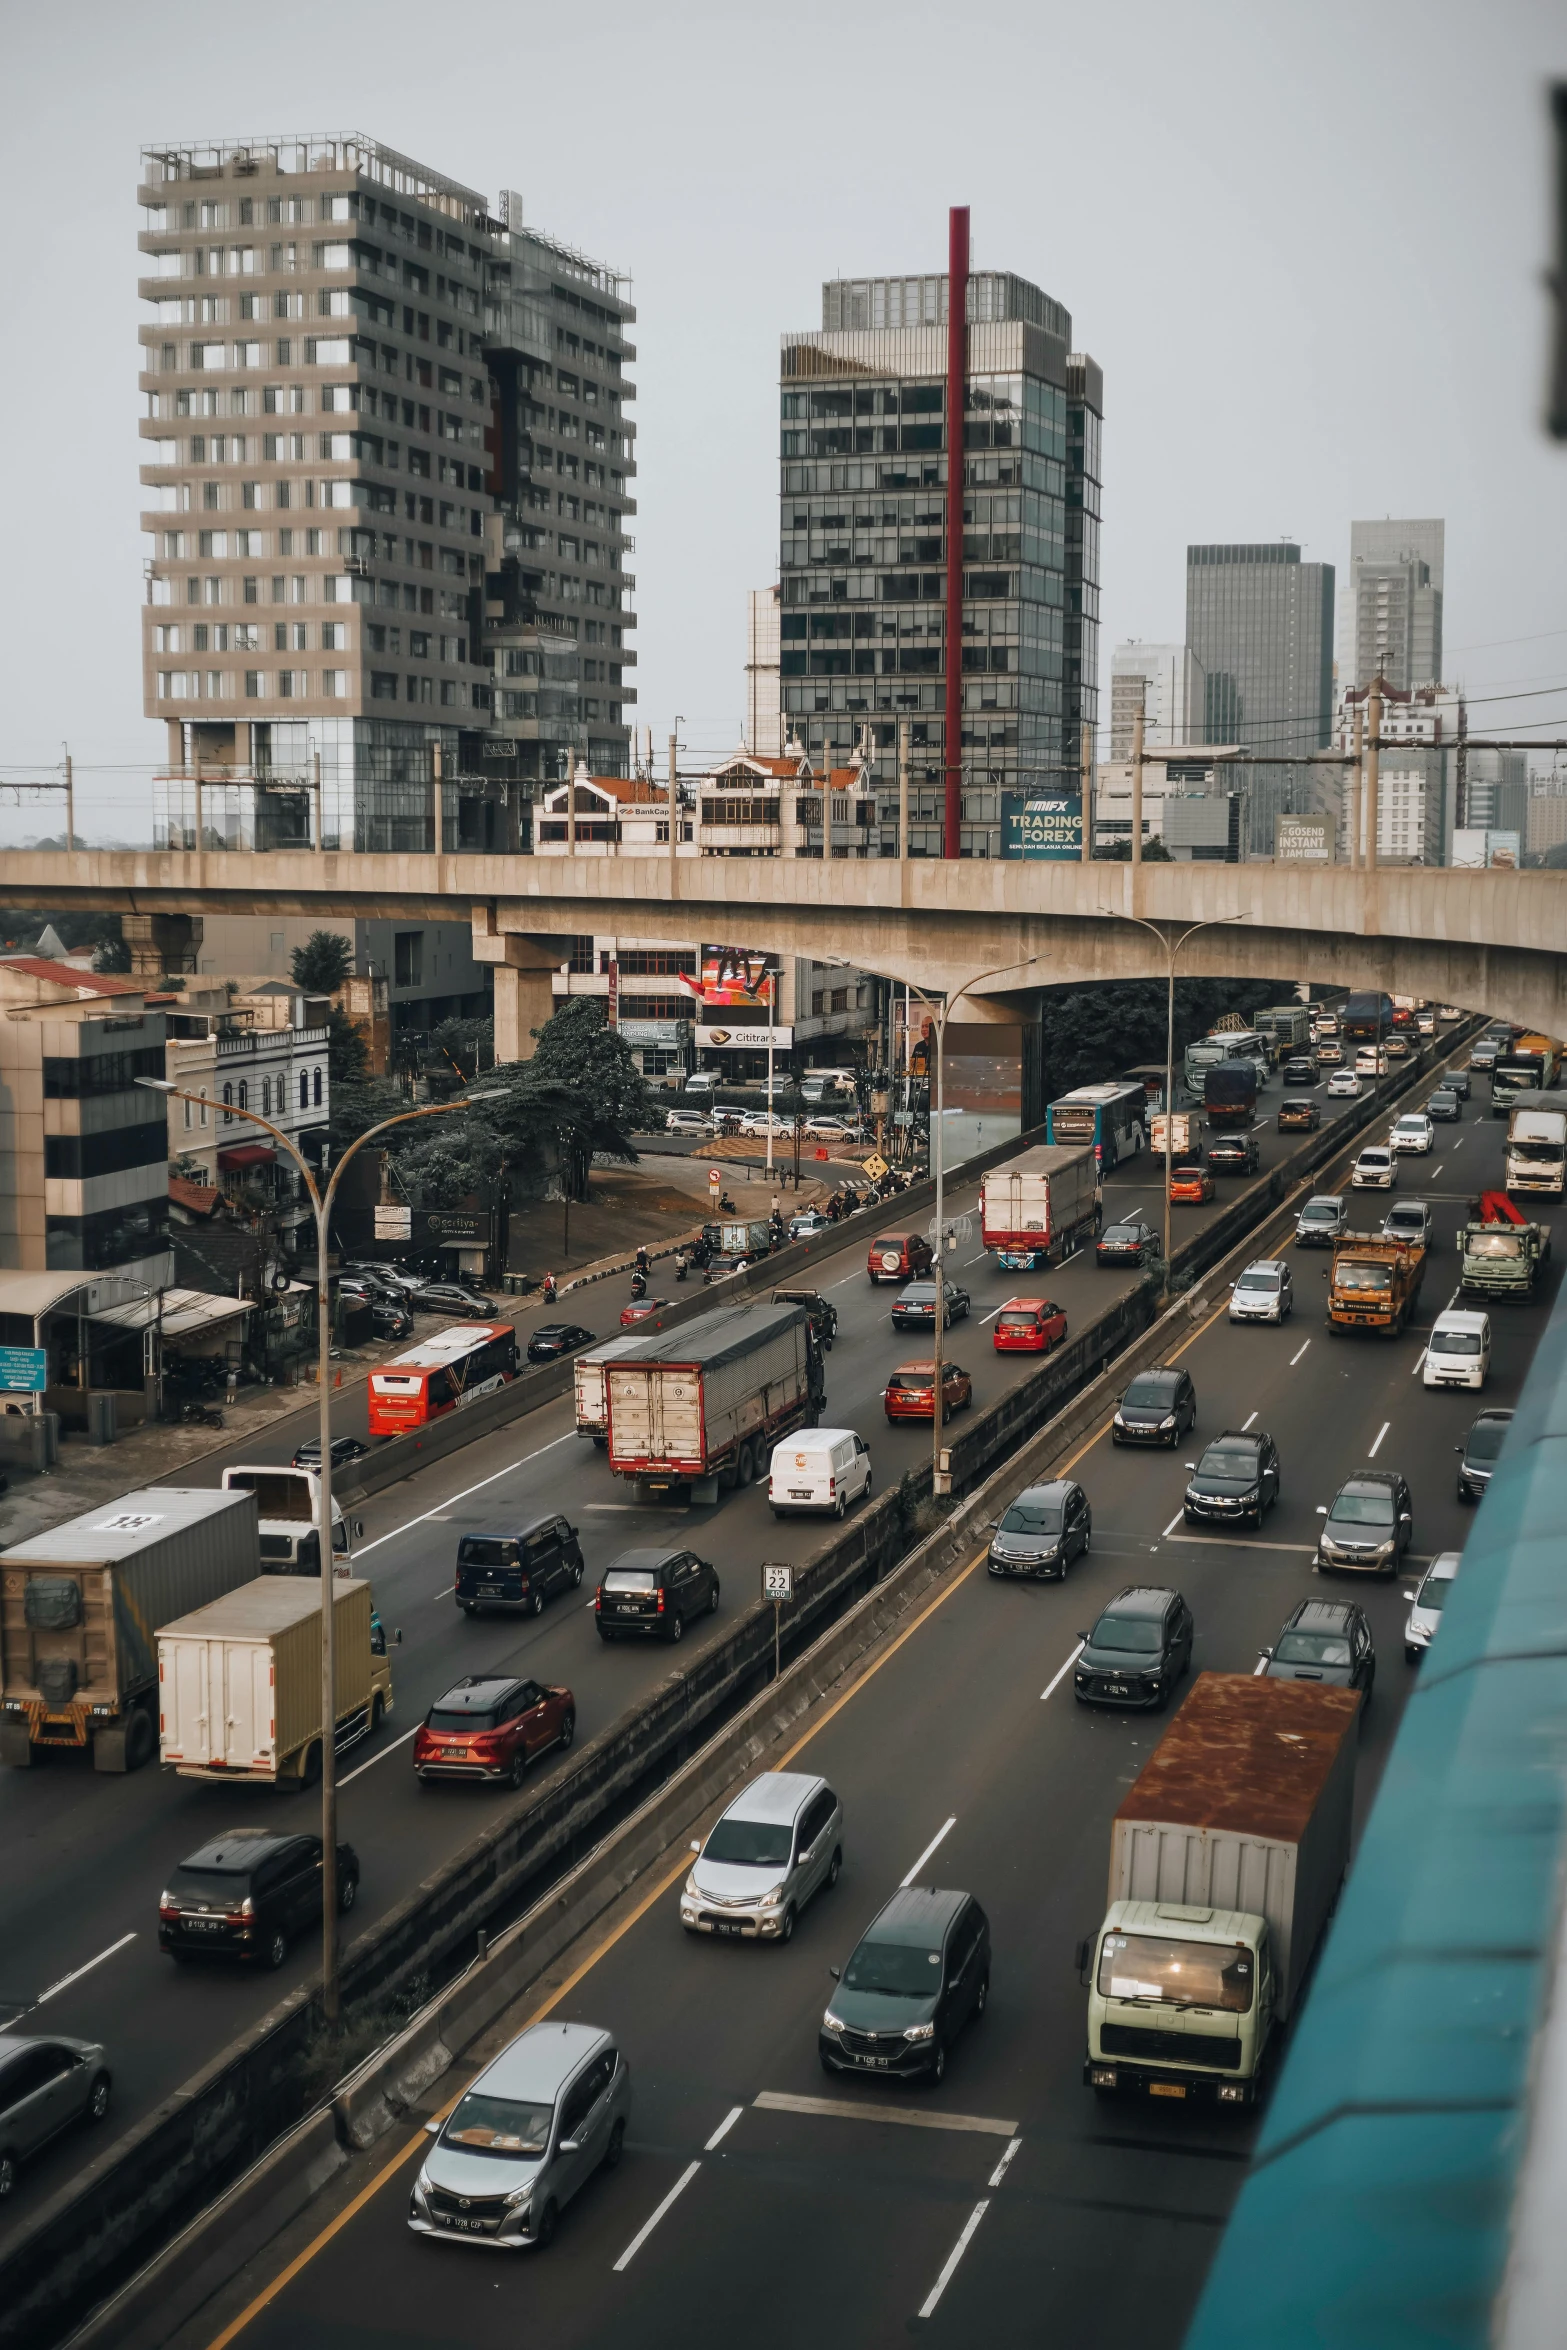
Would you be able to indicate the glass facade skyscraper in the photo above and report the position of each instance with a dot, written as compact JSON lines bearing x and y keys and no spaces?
{"x":862,"y":543}
{"x":1261,"y":624}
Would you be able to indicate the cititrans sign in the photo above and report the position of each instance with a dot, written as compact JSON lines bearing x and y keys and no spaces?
{"x":1042,"y":824}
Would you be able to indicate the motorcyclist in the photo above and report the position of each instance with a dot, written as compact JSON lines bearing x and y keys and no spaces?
{"x":638,"y":1287}
{"x":682,"y":1264}
{"x":642,"y":1260}
{"x":549,"y":1289}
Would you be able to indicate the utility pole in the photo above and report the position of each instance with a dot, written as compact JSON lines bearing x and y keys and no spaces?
{"x":1137,"y":788}
{"x":674,"y":814}
{"x":315,"y":785}
{"x":1461,"y":785}
{"x":70,"y":821}
{"x":571,"y":804}
{"x":440,"y":797}
{"x":957,"y":370}
{"x":903,"y":790}
{"x":1356,"y":781}
{"x":1087,"y":764}
{"x":1373,"y":758}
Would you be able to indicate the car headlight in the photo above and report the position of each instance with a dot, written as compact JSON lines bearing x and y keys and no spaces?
{"x":919,"y":2032}
{"x":832,"y":2023}
{"x":771,"y":1898}
{"x":1120,"y":1423}
{"x":522,"y":2197}
{"x":1168,"y":1421}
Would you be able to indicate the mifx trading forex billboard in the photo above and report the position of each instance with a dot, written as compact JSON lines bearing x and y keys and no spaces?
{"x":1042,"y":824}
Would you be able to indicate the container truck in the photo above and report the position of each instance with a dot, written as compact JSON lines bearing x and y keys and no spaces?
{"x":1530,"y":1064}
{"x":289,"y":1502}
{"x":588,"y":1380}
{"x":80,"y":1609}
{"x":1226,"y":1859}
{"x":1229,"y":1093}
{"x":1502,"y":1250}
{"x":1039,"y":1207}
{"x":699,"y":1409}
{"x":1287,"y":1028}
{"x":1374,"y":1282}
{"x":1180,"y":1137}
{"x":239,"y":1682}
{"x":1537,"y":1151}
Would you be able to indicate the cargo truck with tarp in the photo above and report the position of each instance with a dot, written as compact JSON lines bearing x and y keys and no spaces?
{"x":700,"y":1409}
{"x":81,"y":1608}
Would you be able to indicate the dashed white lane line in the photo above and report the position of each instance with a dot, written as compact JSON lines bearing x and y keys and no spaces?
{"x":1377,"y":1447}
{"x":724,"y":2128}
{"x":1420,"y":1360}
{"x":1245,"y":1424}
{"x":1000,"y":2171}
{"x":912,"y":2118}
{"x":77,"y":1973}
{"x":391,"y":1748}
{"x":940,"y":1837}
{"x":424,"y":1516}
{"x":1174,"y":1522}
{"x":1061,"y":1675}
{"x":949,"y":2268}
{"x":1295,"y":1358}
{"x":650,"y":2223}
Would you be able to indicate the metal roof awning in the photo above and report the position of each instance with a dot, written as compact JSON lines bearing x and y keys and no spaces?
{"x":34,"y":1294}
{"x":248,"y":1154}
{"x":184,"y":1312}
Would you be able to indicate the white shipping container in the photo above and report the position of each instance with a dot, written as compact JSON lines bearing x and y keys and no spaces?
{"x":1035,"y":1199}
{"x":1180,"y":1125}
{"x":240,"y":1680}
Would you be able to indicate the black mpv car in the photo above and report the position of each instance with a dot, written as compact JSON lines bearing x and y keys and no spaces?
{"x":551,"y":1340}
{"x":1137,"y":1651}
{"x":1236,"y":1479}
{"x":921,"y":1970}
{"x":516,"y":1571}
{"x":1478,"y":1454}
{"x":1046,"y":1528}
{"x":650,"y":1594}
{"x":1159,"y":1407}
{"x":247,"y":1893}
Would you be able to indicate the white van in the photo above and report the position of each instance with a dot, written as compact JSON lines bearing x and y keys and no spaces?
{"x":819,"y":1469}
{"x":1458,"y":1352}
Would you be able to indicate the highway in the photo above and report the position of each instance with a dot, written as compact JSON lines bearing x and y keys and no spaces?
{"x":85,"y":1856}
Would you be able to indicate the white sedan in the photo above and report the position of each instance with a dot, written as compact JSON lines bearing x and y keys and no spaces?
{"x":831,"y":1130}
{"x":1344,"y":1085}
{"x":757,"y":1122}
{"x":1413,"y":1132}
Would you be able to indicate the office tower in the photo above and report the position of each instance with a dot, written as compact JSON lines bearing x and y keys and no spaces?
{"x":763,"y":709}
{"x":864,"y":589}
{"x":1395,"y":604}
{"x":1260,"y":622}
{"x":1165,"y":682}
{"x":1085,"y":407}
{"x":387,"y":464}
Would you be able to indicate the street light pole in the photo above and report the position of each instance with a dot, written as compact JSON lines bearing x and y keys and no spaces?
{"x":321,"y":1203}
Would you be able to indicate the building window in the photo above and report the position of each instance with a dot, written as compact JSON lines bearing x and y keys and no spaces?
{"x":318,"y":1088}
{"x":244,"y":1095}
{"x":204,"y":1105}
{"x":228,"y":1106}
{"x":266,"y":1097}
{"x":408,"y":958}
{"x":304,"y":1089}
{"x":189,"y":1115}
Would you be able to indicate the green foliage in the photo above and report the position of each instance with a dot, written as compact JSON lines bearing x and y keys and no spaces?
{"x":1093,"y":1033}
{"x":361,"y":1102}
{"x":580,"y":1051}
{"x":458,"y":1050}
{"x":1120,"y":853}
{"x":322,"y":964}
{"x":111,"y":954}
{"x":347,"y":1055}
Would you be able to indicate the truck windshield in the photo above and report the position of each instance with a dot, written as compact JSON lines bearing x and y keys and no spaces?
{"x":1176,"y":1973}
{"x":1349,"y":1273}
{"x":1492,"y":1244}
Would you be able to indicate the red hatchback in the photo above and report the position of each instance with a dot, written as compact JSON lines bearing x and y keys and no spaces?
{"x":1190,"y":1186}
{"x":491,"y":1727}
{"x":898,"y":1256}
{"x":640,"y":1309}
{"x":911,"y":1391}
{"x":1028,"y":1325}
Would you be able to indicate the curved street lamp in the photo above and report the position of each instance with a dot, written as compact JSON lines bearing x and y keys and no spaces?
{"x":321,"y":1203}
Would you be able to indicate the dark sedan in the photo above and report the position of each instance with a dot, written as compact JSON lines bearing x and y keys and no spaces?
{"x":450,"y":1297}
{"x":1444,"y":1104}
{"x":551,"y":1340}
{"x":1300,"y":1069}
{"x":1159,"y":1407}
{"x":1235,"y":1481}
{"x":1324,"y":1640}
{"x":344,"y":1450}
{"x":1137,"y":1651}
{"x":1132,"y":1243}
{"x":914,"y":1308}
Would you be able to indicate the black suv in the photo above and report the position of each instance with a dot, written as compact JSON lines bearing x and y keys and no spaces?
{"x":1159,"y":1407}
{"x":1043,"y":1532}
{"x":1234,"y":1154}
{"x":1300,"y":1069}
{"x":1477,"y":1455}
{"x":516,"y":1571}
{"x":920,"y":1971}
{"x":551,"y":1340}
{"x":1234,"y":1482}
{"x":1324,"y":1640}
{"x":247,"y":1893}
{"x":653,"y":1593}
{"x":1137,"y":1651}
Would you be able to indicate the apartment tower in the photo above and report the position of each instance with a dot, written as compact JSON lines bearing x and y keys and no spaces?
{"x":1260,"y":623}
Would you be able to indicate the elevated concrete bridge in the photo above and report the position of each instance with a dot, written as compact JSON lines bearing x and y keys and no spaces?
{"x":1489,"y":941}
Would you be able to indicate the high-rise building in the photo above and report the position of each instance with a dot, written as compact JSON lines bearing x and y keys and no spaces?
{"x":1395,"y":602}
{"x":1165,"y":682}
{"x":763,"y":708}
{"x":388,"y":466}
{"x":1260,"y":622}
{"x":863,"y":544}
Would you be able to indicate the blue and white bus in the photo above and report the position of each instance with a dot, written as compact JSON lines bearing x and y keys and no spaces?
{"x":1114,"y":1118}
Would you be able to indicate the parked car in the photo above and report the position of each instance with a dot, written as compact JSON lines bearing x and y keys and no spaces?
{"x":46,"y":2084}
{"x":780,"y":1841}
{"x":1479,"y":1453}
{"x":1320,"y":1221}
{"x":1426,"y":1603}
{"x":516,"y":1568}
{"x":1369,"y":1524}
{"x":911,"y":1391}
{"x":1137,"y":1651}
{"x":1236,"y":1479}
{"x":898,"y":1256}
{"x":1409,"y":1219}
{"x":1263,"y":1292}
{"x":761,"y":1122}
{"x":450,"y":1297}
{"x":491,"y":1726}
{"x":1159,"y":1407}
{"x":653,"y":1592}
{"x":392,"y":1280}
{"x":1190,"y":1186}
{"x":551,"y":1340}
{"x":1324,"y":1640}
{"x":246,"y":1893}
{"x":1029,"y":1325}
{"x":1130,"y":1242}
{"x":1042,"y":1532}
{"x":818,"y":1469}
{"x":1299,"y":1117}
{"x":1444,"y":1105}
{"x":915,"y":1307}
{"x":1458,"y":1351}
{"x":685,"y":1122}
{"x":920,"y":1971}
{"x":1344,"y":1086}
{"x":1413,"y":1132}
{"x":524,"y":2138}
{"x":1234,"y":1154}
{"x":833,"y":1130}
{"x":1376,"y":1169}
{"x":639,"y":1310}
{"x":1300,"y":1069}
{"x":344,"y":1450}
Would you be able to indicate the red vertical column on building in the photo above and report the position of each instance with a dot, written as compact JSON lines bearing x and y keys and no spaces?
{"x":957,"y":369}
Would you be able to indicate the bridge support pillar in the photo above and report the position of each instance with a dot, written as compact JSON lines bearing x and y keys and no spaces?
{"x":524,"y":969}
{"x":162,"y":944}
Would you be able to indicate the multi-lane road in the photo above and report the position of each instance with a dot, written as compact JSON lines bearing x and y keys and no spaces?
{"x":84,"y":1856}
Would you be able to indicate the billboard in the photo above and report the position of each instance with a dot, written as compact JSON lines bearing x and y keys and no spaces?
{"x":1497,"y":849}
{"x":1042,"y":824}
{"x":1302,"y":840}
{"x":746,"y":1040}
{"x":731,"y":976}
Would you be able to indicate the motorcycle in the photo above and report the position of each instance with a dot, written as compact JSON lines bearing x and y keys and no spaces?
{"x":682,"y":1264}
{"x":638,"y":1287}
{"x":201,"y":1415}
{"x":549,"y":1289}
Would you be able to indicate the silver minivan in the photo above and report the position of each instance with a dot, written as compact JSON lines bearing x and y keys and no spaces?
{"x":524,"y":2137}
{"x":775,"y":1846}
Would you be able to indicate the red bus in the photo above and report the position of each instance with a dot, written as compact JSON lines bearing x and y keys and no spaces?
{"x":441,"y":1374}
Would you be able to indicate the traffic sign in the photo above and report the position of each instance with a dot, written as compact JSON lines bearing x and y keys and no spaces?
{"x":715,"y":1181}
{"x":876,"y":1167}
{"x":24,"y":1370}
{"x":777,"y":1581}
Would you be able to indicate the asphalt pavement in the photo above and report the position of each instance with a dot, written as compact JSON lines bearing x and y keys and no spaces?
{"x":84,"y":1856}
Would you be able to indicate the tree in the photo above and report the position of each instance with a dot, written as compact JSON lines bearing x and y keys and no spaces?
{"x":347,"y":1056}
{"x":1093,"y":1033}
{"x":1120,"y":853}
{"x":580,"y":1051}
{"x":111,"y":954}
{"x":322,"y":964}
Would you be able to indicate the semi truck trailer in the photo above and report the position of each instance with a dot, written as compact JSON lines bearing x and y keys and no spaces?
{"x":1039,"y":1207}
{"x":700,"y":1409}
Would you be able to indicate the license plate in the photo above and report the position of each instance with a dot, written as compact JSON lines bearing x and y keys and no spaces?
{"x":204,"y":1925}
{"x":798,"y":1493}
{"x":728,"y":1926}
{"x":878,"y":2064}
{"x":491,"y":1591}
{"x":464,"y":2227}
{"x":1116,"y":1688}
{"x":1166,"y":2089}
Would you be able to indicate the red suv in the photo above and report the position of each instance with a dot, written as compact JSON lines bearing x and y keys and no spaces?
{"x":491,"y":1728}
{"x":898,"y":1256}
{"x":1029,"y":1325}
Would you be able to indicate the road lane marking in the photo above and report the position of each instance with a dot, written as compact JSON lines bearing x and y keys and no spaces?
{"x":365,"y":1548}
{"x":991,"y":1317}
{"x":1174,"y":1522}
{"x":1420,"y":1360}
{"x":1061,"y":1675}
{"x":1459,"y":1144}
{"x":928,"y":2305}
{"x":724,"y":2128}
{"x":1377,"y":1447}
{"x":1000,"y":2171}
{"x":940,"y":1837}
{"x":1437,"y":1170}
{"x":840,"y":2109}
{"x":1239,"y":1542}
{"x":381,"y":1757}
{"x":446,"y":1591}
{"x":77,"y":1973}
{"x":1245,"y":1424}
{"x":648,"y":2225}
{"x":1295,"y":1358}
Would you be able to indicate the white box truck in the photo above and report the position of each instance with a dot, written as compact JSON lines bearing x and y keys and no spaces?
{"x":1039,"y":1207}
{"x":1537,"y":1151}
{"x":1226,"y":1858}
{"x":588,"y":1380}
{"x":700,"y":1408}
{"x":239,"y":1682}
{"x":80,"y":1608}
{"x":289,"y":1502}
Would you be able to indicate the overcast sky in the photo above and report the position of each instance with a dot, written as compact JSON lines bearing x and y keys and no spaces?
{"x":1305,"y":243}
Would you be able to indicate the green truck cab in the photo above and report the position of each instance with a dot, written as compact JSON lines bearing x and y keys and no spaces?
{"x":1502,"y":1252}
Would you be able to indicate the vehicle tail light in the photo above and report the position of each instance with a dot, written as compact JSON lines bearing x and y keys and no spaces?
{"x":598,"y":1600}
{"x":832,"y":1484}
{"x":244,"y":1909}
{"x":661,"y":1603}
{"x":168,"y":1909}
